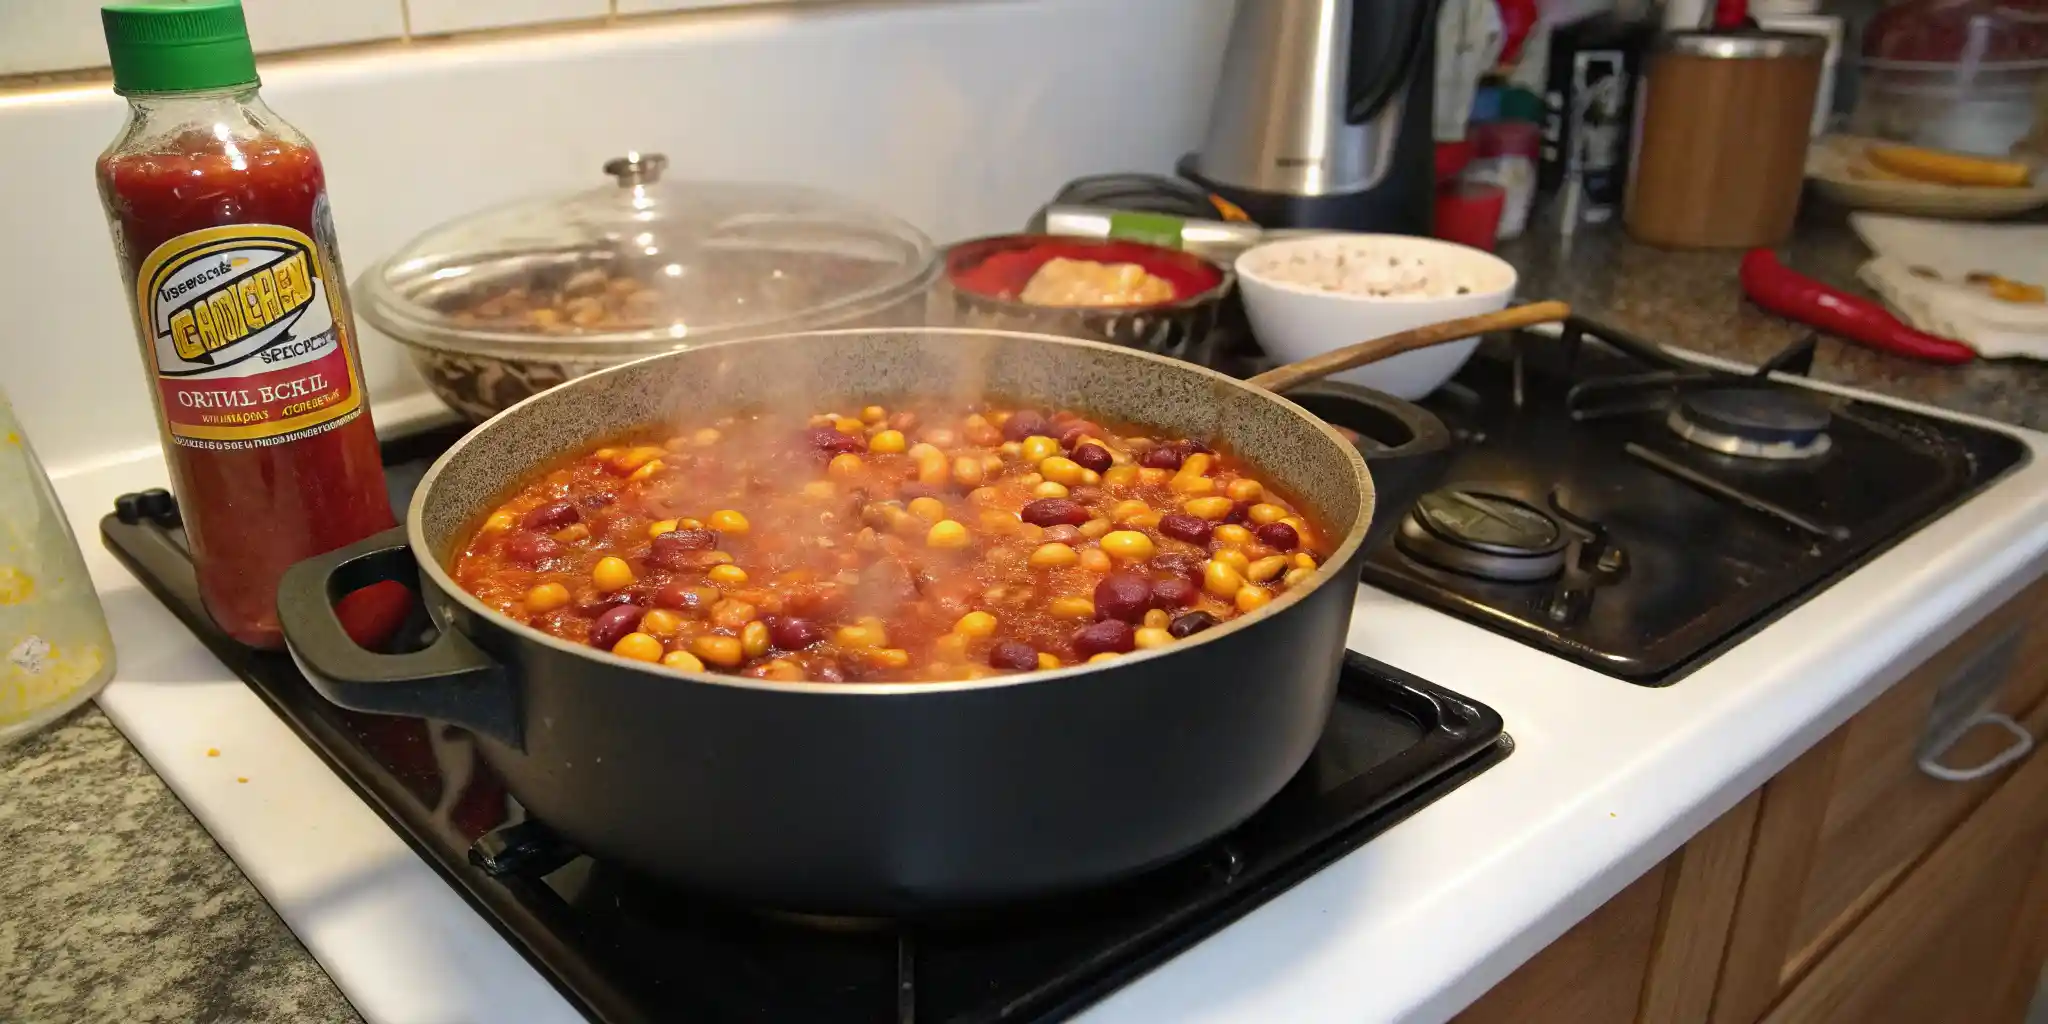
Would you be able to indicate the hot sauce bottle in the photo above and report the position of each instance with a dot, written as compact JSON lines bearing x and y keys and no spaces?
{"x":219,"y":214}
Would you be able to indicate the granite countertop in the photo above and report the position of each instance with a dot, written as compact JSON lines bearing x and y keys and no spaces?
{"x":119,"y":906}
{"x":1692,"y":300}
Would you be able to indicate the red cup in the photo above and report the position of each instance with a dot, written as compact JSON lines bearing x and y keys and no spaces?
{"x":1468,"y":213}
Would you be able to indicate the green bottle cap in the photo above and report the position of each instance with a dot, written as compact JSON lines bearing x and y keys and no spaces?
{"x":159,"y":46}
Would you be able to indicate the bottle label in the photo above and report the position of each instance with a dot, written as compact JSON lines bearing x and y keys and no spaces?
{"x":247,"y":333}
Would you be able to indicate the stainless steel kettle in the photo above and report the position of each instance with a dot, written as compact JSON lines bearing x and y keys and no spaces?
{"x":1322,"y":115}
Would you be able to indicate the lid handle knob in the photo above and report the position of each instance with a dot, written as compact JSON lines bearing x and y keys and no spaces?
{"x":636,"y":168}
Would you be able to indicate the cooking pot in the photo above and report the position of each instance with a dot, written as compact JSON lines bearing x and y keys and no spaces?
{"x":885,"y":799}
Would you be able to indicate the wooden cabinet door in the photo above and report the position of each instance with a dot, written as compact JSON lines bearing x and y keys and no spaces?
{"x":1958,"y":935}
{"x":1839,"y":830}
{"x":1592,"y":975}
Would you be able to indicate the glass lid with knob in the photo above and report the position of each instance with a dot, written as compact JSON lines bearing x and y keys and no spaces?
{"x":643,"y":264}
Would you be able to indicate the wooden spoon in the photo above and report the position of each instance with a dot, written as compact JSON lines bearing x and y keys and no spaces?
{"x":1280,"y":378}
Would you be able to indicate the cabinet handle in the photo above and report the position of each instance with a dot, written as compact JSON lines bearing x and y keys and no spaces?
{"x":2022,"y":744}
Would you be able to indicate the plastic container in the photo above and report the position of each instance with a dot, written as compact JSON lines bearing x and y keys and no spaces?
{"x":1952,"y":74}
{"x":506,"y":303}
{"x":57,"y":651}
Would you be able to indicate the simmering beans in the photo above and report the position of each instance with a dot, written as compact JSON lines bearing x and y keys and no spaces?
{"x":889,"y":544}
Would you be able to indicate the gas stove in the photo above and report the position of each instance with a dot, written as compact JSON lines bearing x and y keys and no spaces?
{"x":1636,"y":513}
{"x":625,"y":949}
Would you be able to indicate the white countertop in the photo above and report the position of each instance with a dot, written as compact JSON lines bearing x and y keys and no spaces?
{"x":1606,"y":780}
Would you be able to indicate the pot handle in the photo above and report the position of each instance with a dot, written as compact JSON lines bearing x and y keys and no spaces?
{"x":1406,"y":447}
{"x":450,"y":681}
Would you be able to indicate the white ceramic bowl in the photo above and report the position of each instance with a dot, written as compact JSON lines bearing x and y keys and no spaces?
{"x":1294,"y":321}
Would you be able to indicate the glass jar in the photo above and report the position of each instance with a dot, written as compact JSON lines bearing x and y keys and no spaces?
{"x":57,"y":651}
{"x":1960,"y":75}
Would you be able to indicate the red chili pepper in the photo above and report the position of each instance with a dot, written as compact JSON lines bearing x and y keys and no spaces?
{"x":1788,"y":293}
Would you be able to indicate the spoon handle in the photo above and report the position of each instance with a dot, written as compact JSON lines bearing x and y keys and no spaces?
{"x":1316,"y":367}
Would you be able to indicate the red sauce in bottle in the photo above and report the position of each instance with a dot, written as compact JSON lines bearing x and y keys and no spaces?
{"x":246,"y":330}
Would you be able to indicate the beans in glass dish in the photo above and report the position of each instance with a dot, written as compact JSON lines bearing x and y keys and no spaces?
{"x":889,"y":544}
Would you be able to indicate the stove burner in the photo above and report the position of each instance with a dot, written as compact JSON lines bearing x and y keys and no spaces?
{"x":1752,"y":423}
{"x":1490,"y":536}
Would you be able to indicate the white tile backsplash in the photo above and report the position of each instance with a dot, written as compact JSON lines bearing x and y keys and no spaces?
{"x":650,"y":6}
{"x":433,"y":17}
{"x":50,"y":35}
{"x":297,"y":24}
{"x":962,"y":117}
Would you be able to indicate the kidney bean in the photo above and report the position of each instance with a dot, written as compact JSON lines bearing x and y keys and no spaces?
{"x":680,"y":596}
{"x":550,"y":517}
{"x":1093,"y":456}
{"x":1179,"y":563}
{"x":531,"y":549}
{"x":1184,"y":626}
{"x":1165,"y":456}
{"x":1278,"y":536}
{"x":1174,"y":592}
{"x":1062,"y":534}
{"x":597,"y":499}
{"x":669,"y":548}
{"x":1240,"y":513}
{"x":832,"y":442}
{"x":611,"y":627}
{"x":793,"y":634}
{"x":1181,"y":526}
{"x":1072,"y":433}
{"x":1112,"y":635}
{"x":827,"y":673}
{"x":1123,"y":595}
{"x":1013,"y":654}
{"x":1054,"y":512}
{"x":1025,"y":423}
{"x":1189,"y":446}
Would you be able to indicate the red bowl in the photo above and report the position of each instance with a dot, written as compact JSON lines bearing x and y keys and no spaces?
{"x":985,"y":276}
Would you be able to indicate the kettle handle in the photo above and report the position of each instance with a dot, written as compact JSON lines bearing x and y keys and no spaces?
{"x":1368,"y":98}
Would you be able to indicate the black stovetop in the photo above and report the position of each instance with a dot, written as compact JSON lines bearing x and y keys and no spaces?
{"x":1679,"y":550}
{"x":626,"y":950}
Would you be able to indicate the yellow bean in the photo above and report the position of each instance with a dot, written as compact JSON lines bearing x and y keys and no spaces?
{"x":1194,"y":465}
{"x":782,"y":671}
{"x":572,"y":533}
{"x":611,"y":573}
{"x":638,"y":646}
{"x":726,"y":575}
{"x":1212,"y":508}
{"x":1129,"y":545}
{"x":844,"y":465}
{"x":820,"y":490}
{"x":1157,"y":618}
{"x":1150,"y":637}
{"x":947,"y":535}
{"x":660,"y":622}
{"x":632,"y":459}
{"x":1232,"y":535}
{"x":1192,"y":486}
{"x":861,"y":637}
{"x":686,"y":523}
{"x":1050,"y":489}
{"x":705,"y":437}
{"x":1120,"y":476}
{"x":976,"y":624}
{"x":1071,"y":608}
{"x":1047,"y":661}
{"x":1234,"y":559}
{"x":1010,"y":450}
{"x":968,"y":470}
{"x":1244,"y":489}
{"x":942,"y":437}
{"x":718,"y":557}
{"x":723,"y":651}
{"x":951,"y":647}
{"x":1250,"y":598}
{"x":888,"y":442}
{"x":1300,"y":525}
{"x":661,"y":526}
{"x":889,"y":657}
{"x":978,"y":430}
{"x":726,"y":520}
{"x":1090,"y":478}
{"x":1048,"y":556}
{"x":1153,"y":477}
{"x":931,"y":468}
{"x":1297,"y":577}
{"x":1266,"y":568}
{"x":1144,"y":521}
{"x":645,"y":471}
{"x":1095,"y":560}
{"x":927,"y":508}
{"x":848,"y":425}
{"x":1220,"y":579}
{"x":1037,"y":448}
{"x":1104,"y":656}
{"x":1304,"y":560}
{"x":754,"y":638}
{"x":1060,"y":469}
{"x":682,"y":661}
{"x":873,"y":414}
{"x":500,"y":521}
{"x":1124,"y":510}
{"x":1094,"y":528}
{"x":546,"y":597}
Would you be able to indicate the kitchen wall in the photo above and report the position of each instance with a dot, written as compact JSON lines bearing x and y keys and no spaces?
{"x":961,"y":116}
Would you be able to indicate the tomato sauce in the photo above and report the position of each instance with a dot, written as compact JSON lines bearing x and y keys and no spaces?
{"x":241,"y":306}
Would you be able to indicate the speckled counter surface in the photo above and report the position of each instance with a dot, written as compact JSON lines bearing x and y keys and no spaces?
{"x":115,"y":905}
{"x":1692,"y":300}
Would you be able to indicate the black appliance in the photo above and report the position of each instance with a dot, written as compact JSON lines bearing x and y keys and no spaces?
{"x":624,"y":949}
{"x":1322,"y":116}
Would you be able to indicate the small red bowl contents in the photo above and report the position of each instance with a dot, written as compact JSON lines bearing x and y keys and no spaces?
{"x":999,"y":268}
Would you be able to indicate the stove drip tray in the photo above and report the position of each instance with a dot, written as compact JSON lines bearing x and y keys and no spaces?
{"x":1490,"y":536}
